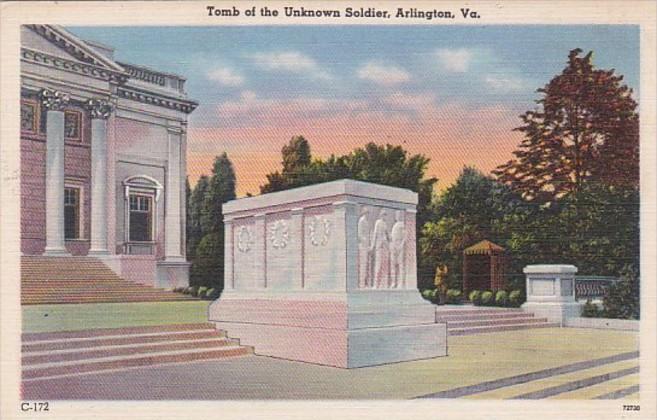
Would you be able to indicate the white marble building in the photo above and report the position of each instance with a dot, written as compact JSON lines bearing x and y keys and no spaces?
{"x":102,"y":157}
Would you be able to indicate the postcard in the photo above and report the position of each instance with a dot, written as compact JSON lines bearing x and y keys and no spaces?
{"x":310,"y":209}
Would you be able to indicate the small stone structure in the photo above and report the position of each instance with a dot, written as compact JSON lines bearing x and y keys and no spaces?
{"x":327,"y":274}
{"x":551,"y":292}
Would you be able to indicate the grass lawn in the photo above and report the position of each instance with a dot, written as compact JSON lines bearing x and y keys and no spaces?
{"x":48,"y":318}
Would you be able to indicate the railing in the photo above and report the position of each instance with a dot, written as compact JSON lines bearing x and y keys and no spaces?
{"x":165,"y":80}
{"x":139,"y":248}
{"x":592,"y":287}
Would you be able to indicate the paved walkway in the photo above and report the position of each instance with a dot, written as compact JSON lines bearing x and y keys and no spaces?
{"x":472,"y":361}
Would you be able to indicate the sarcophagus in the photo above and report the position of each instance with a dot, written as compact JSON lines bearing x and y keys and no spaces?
{"x":327,"y":274}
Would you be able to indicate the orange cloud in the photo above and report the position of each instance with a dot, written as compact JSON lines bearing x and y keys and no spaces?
{"x":451,"y":135}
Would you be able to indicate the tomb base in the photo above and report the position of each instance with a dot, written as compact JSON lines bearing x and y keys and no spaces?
{"x":347,"y":330}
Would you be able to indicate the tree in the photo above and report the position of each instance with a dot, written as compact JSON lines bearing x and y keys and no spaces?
{"x":210,"y":195}
{"x":296,"y":157}
{"x":195,"y":205}
{"x":221,"y":188}
{"x":585,"y":129}
{"x":466,"y":212}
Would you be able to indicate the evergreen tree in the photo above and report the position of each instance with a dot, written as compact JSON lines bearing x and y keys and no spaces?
{"x":586,"y":128}
{"x":195,"y":205}
{"x":208,"y":263}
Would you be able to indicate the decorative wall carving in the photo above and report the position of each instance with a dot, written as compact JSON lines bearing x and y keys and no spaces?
{"x":364,"y":254}
{"x":244,"y":239}
{"x":279,"y":234}
{"x":397,"y":251}
{"x":99,"y":108}
{"x":381,"y":250}
{"x":320,"y":231}
{"x":54,"y":100}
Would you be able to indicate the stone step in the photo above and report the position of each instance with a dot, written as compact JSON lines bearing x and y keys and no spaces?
{"x":45,"y":357}
{"x":118,"y":339}
{"x":494,"y":322}
{"x":504,"y":315}
{"x":46,"y":370}
{"x":498,"y":328}
{"x":474,"y":310}
{"x":99,"y":332}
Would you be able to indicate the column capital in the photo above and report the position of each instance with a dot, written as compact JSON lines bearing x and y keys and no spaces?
{"x":99,"y":108}
{"x":54,"y":100}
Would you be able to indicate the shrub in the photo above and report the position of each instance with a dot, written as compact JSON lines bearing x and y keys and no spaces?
{"x":187,"y":290}
{"x":515,"y":298}
{"x":193,"y":291}
{"x":487,"y":298}
{"x":475,"y":297}
{"x":591,"y":310}
{"x":622,"y":299}
{"x":502,"y":298}
{"x":453,"y":296}
{"x":213,"y":294}
{"x":201,"y":291}
{"x":427,"y":294}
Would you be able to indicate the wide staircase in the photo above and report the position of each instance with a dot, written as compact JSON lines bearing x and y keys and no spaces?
{"x":82,"y":280}
{"x":71,"y":353}
{"x":466,"y":319}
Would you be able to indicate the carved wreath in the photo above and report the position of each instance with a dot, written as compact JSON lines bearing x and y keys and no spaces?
{"x":320,"y":231}
{"x":244,"y":239}
{"x":279,"y":234}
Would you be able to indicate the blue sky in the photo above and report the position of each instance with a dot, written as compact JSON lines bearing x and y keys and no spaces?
{"x":342,"y":86}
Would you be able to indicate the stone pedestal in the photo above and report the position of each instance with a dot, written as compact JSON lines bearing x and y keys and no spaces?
{"x":326,"y":274}
{"x":551,"y":292}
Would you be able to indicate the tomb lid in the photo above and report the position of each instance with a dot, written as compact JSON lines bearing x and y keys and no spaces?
{"x":348,"y":187}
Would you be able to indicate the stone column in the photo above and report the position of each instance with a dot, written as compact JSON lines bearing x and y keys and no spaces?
{"x":99,"y":111}
{"x":260,"y":251}
{"x":346,"y":217}
{"x":54,"y":102}
{"x":172,"y":218}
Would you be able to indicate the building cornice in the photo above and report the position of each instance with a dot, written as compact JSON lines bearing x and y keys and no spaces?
{"x":39,"y":57}
{"x":186,"y":106}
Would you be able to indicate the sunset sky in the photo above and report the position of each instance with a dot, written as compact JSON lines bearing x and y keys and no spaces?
{"x":453,"y":93}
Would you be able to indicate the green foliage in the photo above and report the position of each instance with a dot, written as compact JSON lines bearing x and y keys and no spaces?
{"x":201,"y":292}
{"x":622,"y":299}
{"x":187,"y":290}
{"x":515,"y":298}
{"x":195,"y":208}
{"x":501,"y":298}
{"x":193,"y":290}
{"x":205,"y":239}
{"x":591,"y":310}
{"x":487,"y":298}
{"x":466,"y":212}
{"x":212,"y":293}
{"x":475,"y":297}
{"x":453,"y":297}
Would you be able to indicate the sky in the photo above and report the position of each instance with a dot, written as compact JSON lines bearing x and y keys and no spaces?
{"x":452,"y":93}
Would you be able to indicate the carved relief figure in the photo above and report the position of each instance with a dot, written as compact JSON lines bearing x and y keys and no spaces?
{"x":364,"y":253}
{"x":398,"y":241}
{"x":381,"y":250}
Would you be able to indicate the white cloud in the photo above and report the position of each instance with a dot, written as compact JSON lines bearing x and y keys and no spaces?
{"x":455,"y":60}
{"x":419,"y":102}
{"x":504,"y":84}
{"x":290,"y":61}
{"x":226,"y":76}
{"x":383,"y":74}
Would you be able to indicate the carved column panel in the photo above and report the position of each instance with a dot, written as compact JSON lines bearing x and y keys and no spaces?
{"x":54,"y":102}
